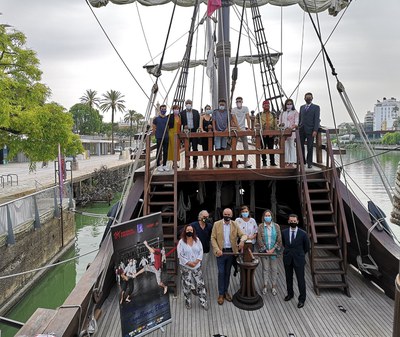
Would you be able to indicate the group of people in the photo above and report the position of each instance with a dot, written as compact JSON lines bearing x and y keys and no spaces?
{"x":166,"y":126}
{"x":226,"y":237}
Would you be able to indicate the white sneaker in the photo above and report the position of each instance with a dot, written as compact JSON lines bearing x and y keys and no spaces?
{"x":160,"y":169}
{"x":166,"y":168}
{"x":247,"y":165}
{"x":274,"y":292}
{"x":264,"y":291}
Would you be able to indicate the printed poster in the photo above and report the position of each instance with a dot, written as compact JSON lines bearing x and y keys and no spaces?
{"x":139,"y":258}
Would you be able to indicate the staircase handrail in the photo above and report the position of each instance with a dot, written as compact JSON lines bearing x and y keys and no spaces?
{"x":335,"y":181}
{"x":303,"y":180}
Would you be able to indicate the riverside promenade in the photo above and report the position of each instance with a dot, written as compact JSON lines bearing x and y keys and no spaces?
{"x":30,"y":182}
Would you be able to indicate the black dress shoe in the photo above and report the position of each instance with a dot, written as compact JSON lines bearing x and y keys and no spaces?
{"x":300,"y":305}
{"x":309,"y":166}
{"x":288,"y":298}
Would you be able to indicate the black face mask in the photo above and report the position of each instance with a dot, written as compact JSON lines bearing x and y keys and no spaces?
{"x":227,"y":218}
{"x":189,"y":234}
{"x":293,"y":224}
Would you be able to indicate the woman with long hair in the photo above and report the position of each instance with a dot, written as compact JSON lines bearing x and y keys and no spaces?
{"x":190,"y":254}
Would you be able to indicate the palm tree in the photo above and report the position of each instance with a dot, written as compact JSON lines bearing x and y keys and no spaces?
{"x":133,"y":117}
{"x":89,"y":98}
{"x":112,"y":100}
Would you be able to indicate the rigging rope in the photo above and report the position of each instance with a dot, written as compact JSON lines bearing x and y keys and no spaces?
{"x":47,"y":266}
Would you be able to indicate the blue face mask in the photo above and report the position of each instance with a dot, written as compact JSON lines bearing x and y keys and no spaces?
{"x":245,"y":214}
{"x":267,"y":218}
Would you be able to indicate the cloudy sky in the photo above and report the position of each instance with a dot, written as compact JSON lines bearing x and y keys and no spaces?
{"x":75,"y":55}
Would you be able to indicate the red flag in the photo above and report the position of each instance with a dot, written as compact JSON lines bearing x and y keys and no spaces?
{"x":212,"y":6}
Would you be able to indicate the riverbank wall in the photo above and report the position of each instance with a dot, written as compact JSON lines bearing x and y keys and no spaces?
{"x":33,"y":248}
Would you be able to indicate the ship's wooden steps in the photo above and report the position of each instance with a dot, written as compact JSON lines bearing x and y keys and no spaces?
{"x":368,"y":312}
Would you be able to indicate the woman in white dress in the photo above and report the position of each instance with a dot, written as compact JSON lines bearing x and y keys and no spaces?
{"x":289,"y":119}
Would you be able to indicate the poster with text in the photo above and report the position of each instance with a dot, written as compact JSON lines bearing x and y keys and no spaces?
{"x":139,"y":258}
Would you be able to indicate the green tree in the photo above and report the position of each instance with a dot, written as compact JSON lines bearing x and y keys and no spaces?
{"x":391,"y":138}
{"x":27,"y":123}
{"x":112,"y":100}
{"x":132,"y":117}
{"x":90,"y":98}
{"x":87,"y":121}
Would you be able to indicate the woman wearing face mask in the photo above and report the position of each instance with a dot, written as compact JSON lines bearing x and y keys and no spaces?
{"x":289,"y":117}
{"x":270,"y":241}
{"x":190,"y":254}
{"x":247,"y":224}
{"x":205,"y":121}
{"x":174,"y":127}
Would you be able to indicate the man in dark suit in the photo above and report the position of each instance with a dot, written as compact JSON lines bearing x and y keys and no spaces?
{"x":190,"y":118}
{"x":309,"y":119}
{"x":296,"y":244}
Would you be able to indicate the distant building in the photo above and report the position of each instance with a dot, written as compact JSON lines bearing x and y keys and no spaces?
{"x":369,"y":121}
{"x":385,"y":113}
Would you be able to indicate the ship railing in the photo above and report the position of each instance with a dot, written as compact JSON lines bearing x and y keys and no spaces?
{"x":255,"y":151}
{"x":32,"y":211}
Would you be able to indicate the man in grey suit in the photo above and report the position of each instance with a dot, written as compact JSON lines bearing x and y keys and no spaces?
{"x":309,"y":119}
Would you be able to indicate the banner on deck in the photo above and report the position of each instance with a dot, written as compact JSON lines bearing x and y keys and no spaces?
{"x":139,"y":258}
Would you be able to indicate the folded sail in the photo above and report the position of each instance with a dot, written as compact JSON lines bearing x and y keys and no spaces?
{"x":333,"y":6}
{"x":153,"y":69}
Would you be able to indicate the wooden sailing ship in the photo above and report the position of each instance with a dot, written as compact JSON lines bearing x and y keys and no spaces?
{"x":342,"y":303}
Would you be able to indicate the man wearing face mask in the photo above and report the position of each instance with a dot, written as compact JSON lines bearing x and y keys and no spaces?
{"x":242,"y":115}
{"x":224,"y":237}
{"x":296,"y":246}
{"x":160,"y":129}
{"x":221,"y":123}
{"x":267,"y":120}
{"x":203,"y":228}
{"x":190,"y":118}
{"x":309,"y":120}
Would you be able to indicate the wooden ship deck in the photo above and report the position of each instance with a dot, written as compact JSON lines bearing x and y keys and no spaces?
{"x":369,"y":312}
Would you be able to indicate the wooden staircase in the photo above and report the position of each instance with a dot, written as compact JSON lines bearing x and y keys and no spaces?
{"x":324,"y":217}
{"x":328,"y":254}
{"x":160,"y":195}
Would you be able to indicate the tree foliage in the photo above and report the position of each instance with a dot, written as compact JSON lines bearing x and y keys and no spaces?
{"x":27,"y":123}
{"x":112,"y":100}
{"x":87,"y":121}
{"x":90,"y":98}
{"x":391,"y":138}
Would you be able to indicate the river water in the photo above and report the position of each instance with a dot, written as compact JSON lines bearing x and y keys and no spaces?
{"x":361,"y":175}
{"x":56,"y":285}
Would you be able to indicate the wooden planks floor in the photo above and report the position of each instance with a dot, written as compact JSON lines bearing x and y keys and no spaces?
{"x":368,"y":313}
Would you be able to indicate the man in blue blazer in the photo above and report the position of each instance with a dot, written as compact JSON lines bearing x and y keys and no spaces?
{"x":296,"y":246}
{"x":309,"y":120}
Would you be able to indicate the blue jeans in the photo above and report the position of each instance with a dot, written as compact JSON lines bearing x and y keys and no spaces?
{"x":224,"y":264}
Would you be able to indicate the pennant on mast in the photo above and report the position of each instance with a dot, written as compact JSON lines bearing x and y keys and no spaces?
{"x":212,"y":6}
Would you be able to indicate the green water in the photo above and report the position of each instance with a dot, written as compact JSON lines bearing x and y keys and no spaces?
{"x":58,"y":282}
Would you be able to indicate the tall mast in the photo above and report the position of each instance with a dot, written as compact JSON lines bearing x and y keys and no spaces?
{"x":223,"y":51}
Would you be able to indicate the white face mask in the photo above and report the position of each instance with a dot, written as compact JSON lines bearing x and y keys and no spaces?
{"x":176,"y":112}
{"x":239,"y":105}
{"x":222,"y":107}
{"x":188,"y":106}
{"x":208,"y":112}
